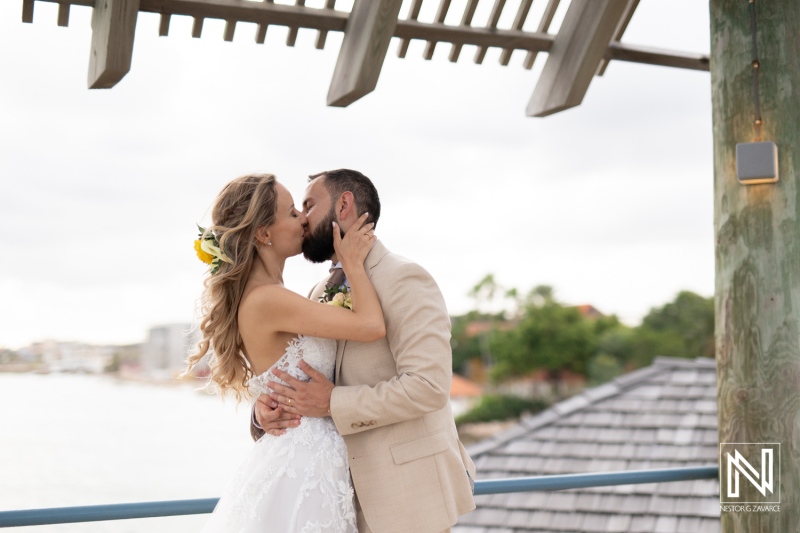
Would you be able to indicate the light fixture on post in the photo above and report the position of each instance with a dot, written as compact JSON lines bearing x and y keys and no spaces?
{"x":756,"y":162}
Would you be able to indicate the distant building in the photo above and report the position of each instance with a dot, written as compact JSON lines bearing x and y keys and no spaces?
{"x":464,"y":394}
{"x":165,"y":351}
{"x":61,"y":356}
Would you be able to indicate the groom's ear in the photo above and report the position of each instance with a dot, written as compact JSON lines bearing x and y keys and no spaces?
{"x":346,"y":207}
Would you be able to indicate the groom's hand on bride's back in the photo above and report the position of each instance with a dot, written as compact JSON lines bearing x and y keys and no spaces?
{"x":272,"y":418}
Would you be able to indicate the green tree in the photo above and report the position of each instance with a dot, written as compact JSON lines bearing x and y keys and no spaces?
{"x":681,"y":328}
{"x":549,"y":336}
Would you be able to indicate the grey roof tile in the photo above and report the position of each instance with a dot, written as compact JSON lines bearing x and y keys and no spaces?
{"x":633,"y":504}
{"x":661,"y":505}
{"x":490,"y":517}
{"x":568,"y":521}
{"x":709,"y":525}
{"x":519,"y":518}
{"x":523,"y":447}
{"x":705,"y":406}
{"x":573,"y":404}
{"x":684,"y":377}
{"x":651,"y":392}
{"x":594,"y":522}
{"x":541,"y":519}
{"x":705,"y":487}
{"x":689,"y":524}
{"x":587,"y":502}
{"x":666,"y":524}
{"x":709,"y":508}
{"x":602,"y":392}
{"x":618,"y":522}
{"x":561,"y":501}
{"x":675,"y":488}
{"x":642,"y":524}
{"x":529,"y":500}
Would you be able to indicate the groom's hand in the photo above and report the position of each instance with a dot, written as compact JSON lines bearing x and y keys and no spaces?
{"x":272,"y":418}
{"x":306,"y":398}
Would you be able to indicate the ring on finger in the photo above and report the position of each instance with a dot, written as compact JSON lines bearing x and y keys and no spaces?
{"x":289,"y":402}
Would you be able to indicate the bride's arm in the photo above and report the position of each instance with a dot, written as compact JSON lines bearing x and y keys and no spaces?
{"x":274,"y":308}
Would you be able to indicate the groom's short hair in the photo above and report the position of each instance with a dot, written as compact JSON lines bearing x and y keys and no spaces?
{"x":364,"y":192}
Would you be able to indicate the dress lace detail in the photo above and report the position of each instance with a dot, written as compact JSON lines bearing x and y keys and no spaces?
{"x":299,"y":481}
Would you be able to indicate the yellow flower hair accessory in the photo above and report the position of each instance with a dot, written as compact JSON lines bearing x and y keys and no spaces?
{"x":208,"y":250}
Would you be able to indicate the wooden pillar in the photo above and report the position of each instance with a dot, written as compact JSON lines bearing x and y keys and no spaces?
{"x":758,"y":246}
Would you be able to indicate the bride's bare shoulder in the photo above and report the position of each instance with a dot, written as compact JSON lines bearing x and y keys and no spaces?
{"x":265,"y":298}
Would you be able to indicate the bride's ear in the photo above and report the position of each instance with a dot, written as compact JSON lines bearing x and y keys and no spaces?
{"x":262,"y":236}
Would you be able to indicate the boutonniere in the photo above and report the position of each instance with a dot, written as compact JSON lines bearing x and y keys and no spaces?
{"x":338,"y":296}
{"x":208,"y":250}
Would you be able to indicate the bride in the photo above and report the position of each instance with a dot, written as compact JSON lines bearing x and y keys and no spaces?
{"x":298,"y":481}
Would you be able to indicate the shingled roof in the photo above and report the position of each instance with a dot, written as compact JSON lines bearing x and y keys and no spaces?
{"x":662,"y":416}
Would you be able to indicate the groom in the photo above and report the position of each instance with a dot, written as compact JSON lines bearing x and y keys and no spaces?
{"x":391,"y":398}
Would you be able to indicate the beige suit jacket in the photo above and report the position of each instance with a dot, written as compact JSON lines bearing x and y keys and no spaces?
{"x":391,"y":404}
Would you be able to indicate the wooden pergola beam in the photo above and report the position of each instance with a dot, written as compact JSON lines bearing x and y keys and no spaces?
{"x":113,"y":28}
{"x":370,"y":27}
{"x":579,"y":46}
{"x":327,"y":20}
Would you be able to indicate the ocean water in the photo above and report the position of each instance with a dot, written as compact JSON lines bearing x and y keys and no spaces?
{"x":83,"y":440}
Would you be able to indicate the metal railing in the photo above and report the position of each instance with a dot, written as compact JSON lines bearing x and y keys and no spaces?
{"x":123,"y":511}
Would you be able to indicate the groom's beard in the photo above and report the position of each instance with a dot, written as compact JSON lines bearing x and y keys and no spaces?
{"x":318,"y":245}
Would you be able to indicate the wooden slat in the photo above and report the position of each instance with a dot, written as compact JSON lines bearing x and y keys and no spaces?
{"x":519,"y":22}
{"x":113,"y":28}
{"x":63,"y":15}
{"x":27,"y":11}
{"x":544,"y":25}
{"x":197,"y":27}
{"x":247,"y":11}
{"x":322,"y":35}
{"x":292,"y":37}
{"x":466,"y":21}
{"x":230,"y":29}
{"x":581,"y":43}
{"x":494,"y":18}
{"x":656,"y":56}
{"x":261,"y":33}
{"x":463,"y":35}
{"x":366,"y":39}
{"x":441,"y":14}
{"x":621,"y":27}
{"x":413,"y":14}
{"x":163,"y":26}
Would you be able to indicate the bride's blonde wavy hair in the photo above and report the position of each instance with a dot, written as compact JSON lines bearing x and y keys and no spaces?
{"x":244,"y":205}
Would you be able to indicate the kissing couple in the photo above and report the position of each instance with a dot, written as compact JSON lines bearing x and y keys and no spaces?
{"x":351,"y":418}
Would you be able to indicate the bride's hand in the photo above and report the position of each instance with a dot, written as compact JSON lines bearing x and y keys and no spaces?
{"x":352,"y":249}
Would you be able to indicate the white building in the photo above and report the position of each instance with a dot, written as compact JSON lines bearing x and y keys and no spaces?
{"x":72,"y":356}
{"x":164,"y":354}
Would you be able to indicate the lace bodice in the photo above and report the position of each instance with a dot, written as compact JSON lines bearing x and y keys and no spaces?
{"x":317,"y":352}
{"x":298,"y":482}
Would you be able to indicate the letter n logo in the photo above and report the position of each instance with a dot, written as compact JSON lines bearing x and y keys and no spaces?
{"x":756,"y":463}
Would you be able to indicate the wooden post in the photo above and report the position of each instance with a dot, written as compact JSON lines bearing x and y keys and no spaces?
{"x":758,"y":246}
{"x":113,"y":27}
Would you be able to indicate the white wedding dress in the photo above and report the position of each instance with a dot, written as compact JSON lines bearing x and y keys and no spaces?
{"x":298,"y":482}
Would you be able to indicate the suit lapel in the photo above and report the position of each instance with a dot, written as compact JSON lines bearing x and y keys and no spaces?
{"x":374,"y":257}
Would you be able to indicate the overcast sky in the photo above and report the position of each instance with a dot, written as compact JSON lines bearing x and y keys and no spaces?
{"x":609,"y":202}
